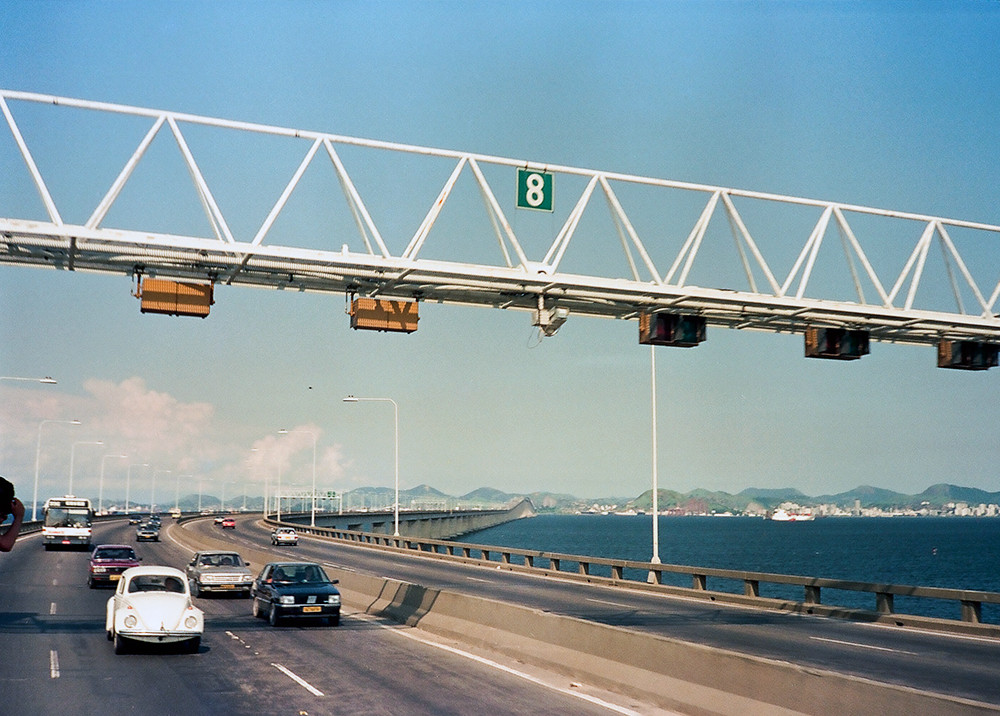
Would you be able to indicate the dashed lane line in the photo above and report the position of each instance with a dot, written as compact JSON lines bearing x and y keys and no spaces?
{"x":298,"y":679}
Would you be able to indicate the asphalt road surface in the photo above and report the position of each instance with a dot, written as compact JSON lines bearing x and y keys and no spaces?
{"x":961,"y":666}
{"x":56,"y":659}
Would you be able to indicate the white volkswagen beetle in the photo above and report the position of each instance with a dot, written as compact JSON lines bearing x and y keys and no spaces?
{"x":153,"y":604}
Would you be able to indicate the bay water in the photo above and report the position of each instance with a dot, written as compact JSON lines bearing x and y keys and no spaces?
{"x":953,"y":552}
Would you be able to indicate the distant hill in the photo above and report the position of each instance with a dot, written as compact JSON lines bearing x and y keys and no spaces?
{"x":869,"y":497}
{"x":780,"y":494}
{"x":421,"y":492}
{"x":485,"y":494}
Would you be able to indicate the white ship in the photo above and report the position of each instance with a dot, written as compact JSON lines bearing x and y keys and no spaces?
{"x":780,"y":515}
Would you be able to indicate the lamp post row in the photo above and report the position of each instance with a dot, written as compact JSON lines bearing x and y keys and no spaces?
{"x":38,"y":450}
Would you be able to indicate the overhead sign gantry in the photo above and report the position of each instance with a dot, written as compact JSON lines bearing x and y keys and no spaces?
{"x":955,"y":309}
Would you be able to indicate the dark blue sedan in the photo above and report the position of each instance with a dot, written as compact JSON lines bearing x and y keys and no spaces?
{"x":295,"y":590}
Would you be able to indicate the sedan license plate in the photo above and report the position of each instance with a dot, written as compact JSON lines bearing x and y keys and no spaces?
{"x":114,"y":577}
{"x":311,"y":610}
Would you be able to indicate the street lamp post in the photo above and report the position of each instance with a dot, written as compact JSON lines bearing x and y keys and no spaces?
{"x":279,"y":492}
{"x":38,"y":455}
{"x":656,"y":511}
{"x":312,"y":521}
{"x":100,"y":488}
{"x":128,"y":481}
{"x":72,"y":455}
{"x":152,"y":491}
{"x":177,"y":493}
{"x":395,"y":412}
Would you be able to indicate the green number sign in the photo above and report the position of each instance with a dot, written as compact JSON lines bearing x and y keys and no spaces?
{"x":534,"y":190}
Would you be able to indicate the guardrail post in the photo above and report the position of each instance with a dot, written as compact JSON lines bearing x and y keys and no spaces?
{"x":485,"y":554}
{"x":972,"y":611}
{"x":616,"y":572}
{"x":812,"y":594}
{"x":883,"y":602}
{"x":583,"y":568}
{"x":467,"y":552}
{"x":529,"y":560}
{"x":554,"y":563}
{"x":699,"y":582}
{"x":751,"y":587}
{"x":505,"y":557}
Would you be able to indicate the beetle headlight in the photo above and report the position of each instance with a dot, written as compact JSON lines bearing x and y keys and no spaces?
{"x":191,"y":622}
{"x":286,"y":599}
{"x":130,"y":621}
{"x":334,"y":599}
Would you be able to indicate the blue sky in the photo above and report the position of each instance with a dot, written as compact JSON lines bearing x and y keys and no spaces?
{"x":890,"y":105}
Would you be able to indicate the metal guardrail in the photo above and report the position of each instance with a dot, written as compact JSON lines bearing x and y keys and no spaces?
{"x":616,"y":572}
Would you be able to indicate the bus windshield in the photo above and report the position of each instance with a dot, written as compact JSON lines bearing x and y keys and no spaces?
{"x":67,"y":517}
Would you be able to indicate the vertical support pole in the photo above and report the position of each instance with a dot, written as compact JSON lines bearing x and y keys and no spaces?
{"x":651,"y":578}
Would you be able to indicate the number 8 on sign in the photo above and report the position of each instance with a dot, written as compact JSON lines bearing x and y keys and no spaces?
{"x":534,"y":190}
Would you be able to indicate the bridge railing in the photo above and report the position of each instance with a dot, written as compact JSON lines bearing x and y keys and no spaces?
{"x":651,"y":576}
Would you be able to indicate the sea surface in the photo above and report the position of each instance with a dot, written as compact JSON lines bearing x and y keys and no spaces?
{"x":954,"y":552}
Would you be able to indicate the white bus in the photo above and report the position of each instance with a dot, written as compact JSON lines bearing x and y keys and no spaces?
{"x":68,"y":522}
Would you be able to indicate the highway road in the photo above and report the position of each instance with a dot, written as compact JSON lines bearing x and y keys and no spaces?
{"x":54,"y":658}
{"x":960,"y":666}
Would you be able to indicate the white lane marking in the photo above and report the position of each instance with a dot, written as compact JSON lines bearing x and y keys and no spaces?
{"x":301,"y":682}
{"x":52,"y":608}
{"x":864,"y":646}
{"x":513,"y":672}
{"x":55,"y":582}
{"x":614,"y":604}
{"x":54,"y":664}
{"x":477,"y":579}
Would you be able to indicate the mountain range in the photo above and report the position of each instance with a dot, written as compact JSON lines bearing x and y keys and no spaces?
{"x":698,"y":500}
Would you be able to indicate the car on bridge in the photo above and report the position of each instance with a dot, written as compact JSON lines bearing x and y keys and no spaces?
{"x":228,"y":523}
{"x":218,"y":571}
{"x":108,"y":561}
{"x":295,"y":590}
{"x":284,"y":536}
{"x":152,"y":604}
{"x":147,"y":532}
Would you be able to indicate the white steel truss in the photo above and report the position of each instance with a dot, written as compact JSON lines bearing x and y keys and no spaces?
{"x":768,"y":301}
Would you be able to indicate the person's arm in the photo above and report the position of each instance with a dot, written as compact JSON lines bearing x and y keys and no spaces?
{"x":7,"y":539}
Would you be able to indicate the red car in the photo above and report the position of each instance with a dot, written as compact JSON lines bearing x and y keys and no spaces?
{"x":108,"y":561}
{"x":229,"y":523}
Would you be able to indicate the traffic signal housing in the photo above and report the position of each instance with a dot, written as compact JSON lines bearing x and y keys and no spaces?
{"x":671,"y":329}
{"x":836,"y":343}
{"x":967,"y":355}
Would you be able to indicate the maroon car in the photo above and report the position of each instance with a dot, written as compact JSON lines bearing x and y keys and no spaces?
{"x":108,"y":561}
